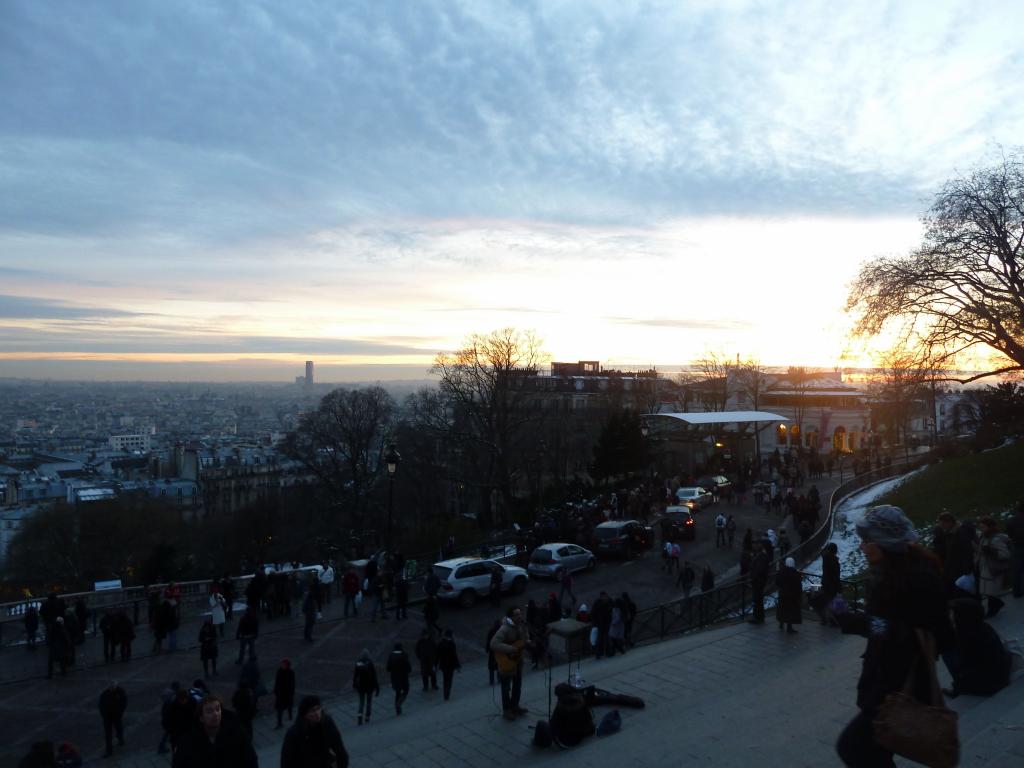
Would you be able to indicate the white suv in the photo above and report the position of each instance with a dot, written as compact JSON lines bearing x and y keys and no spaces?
{"x":467,"y":578}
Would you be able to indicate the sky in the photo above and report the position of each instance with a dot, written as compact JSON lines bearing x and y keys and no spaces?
{"x":222,"y":190}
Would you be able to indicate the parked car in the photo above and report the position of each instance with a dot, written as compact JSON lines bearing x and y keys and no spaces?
{"x":552,"y":560}
{"x":695,"y":498}
{"x":465,"y":579}
{"x":678,"y":523}
{"x":622,"y":537}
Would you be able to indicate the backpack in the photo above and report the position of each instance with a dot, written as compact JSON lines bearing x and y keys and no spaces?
{"x":610,"y":723}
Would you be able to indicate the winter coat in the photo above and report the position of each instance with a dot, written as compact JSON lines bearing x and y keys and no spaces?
{"x":244,"y":702}
{"x":309,"y":745}
{"x":217,"y":606}
{"x":983,"y":665}
{"x":426,"y":652}
{"x":904,"y":592}
{"x":759,"y":570}
{"x":601,"y":614}
{"x":208,"y":642}
{"x":284,"y":689}
{"x":350,"y":583}
{"x":113,"y":703}
{"x":230,"y":748}
{"x":399,"y":668}
{"x":447,"y":655}
{"x":364,"y":677}
{"x":790,"y":594}
{"x":993,"y":561}
{"x":248,"y":626}
{"x":831,"y":584}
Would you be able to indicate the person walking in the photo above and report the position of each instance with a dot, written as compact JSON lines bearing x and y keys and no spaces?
{"x":629,"y":611}
{"x":215,"y":739}
{"x":177,"y":716}
{"x":284,"y":691}
{"x":905,"y":594}
{"x":124,"y":634}
{"x":314,"y":741}
{"x":58,"y":644}
{"x":791,"y":593}
{"x":758,"y":581}
{"x":244,"y":702}
{"x":730,"y":530}
{"x":447,"y":662}
{"x":686,"y":579}
{"x":376,"y":586}
{"x":720,"y":523}
{"x":326,"y":585}
{"x":495,"y":587}
{"x":309,"y":611}
{"x":107,"y":630}
{"x":401,"y":597}
{"x":511,"y":640}
{"x":492,"y":664}
{"x":208,"y":650}
{"x":601,"y":618}
{"x":993,"y":563}
{"x":565,"y":588}
{"x":617,"y":630}
{"x":113,"y":703}
{"x":1015,"y":532}
{"x":32,"y":627}
{"x":218,"y":610}
{"x":399,"y":668}
{"x":431,"y":613}
{"x":349,"y":590}
{"x":246,"y":633}
{"x":831,"y":584}
{"x":364,"y":682}
{"x":426,"y":653}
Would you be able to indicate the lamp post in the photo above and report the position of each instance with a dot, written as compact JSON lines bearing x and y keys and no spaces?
{"x":541,"y":450}
{"x":392,"y":458}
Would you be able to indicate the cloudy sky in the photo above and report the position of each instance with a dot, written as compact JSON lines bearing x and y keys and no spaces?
{"x":225,"y":189}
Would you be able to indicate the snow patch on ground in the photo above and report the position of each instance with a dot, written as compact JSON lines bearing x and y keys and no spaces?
{"x":849,"y":512}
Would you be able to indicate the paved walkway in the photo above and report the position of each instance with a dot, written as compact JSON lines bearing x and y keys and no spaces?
{"x":732,"y":696}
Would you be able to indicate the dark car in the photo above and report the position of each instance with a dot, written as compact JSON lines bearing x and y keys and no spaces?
{"x":678,"y":523}
{"x":622,"y":538}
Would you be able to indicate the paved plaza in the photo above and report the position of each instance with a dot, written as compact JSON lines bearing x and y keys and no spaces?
{"x":730,"y":696}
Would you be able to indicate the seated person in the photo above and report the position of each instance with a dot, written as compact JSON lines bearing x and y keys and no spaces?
{"x":979,"y":663}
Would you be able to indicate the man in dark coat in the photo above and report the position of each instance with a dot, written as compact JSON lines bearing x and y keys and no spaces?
{"x":244,"y":702}
{"x":314,"y":741}
{"x":953,"y":542}
{"x":399,"y":668}
{"x":447,"y":661}
{"x":758,"y":581}
{"x":177,"y":716}
{"x":215,"y":741}
{"x":284,"y":690}
{"x":601,"y":617}
{"x":979,"y":663}
{"x":113,"y":703}
{"x":790,"y":594}
{"x":364,"y":681}
{"x":107,"y":630}
{"x":426,"y":652}
{"x":246,"y":633}
{"x":59,"y":646}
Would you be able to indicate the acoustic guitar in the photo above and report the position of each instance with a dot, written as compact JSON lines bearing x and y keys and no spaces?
{"x":508,"y":662}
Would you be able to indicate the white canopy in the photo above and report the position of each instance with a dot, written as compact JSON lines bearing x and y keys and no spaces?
{"x":719,"y":417}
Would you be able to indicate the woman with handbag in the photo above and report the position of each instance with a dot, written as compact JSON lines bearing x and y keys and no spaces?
{"x":905,"y":603}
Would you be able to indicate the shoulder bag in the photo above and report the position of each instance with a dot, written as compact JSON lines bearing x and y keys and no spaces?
{"x":923,"y":732}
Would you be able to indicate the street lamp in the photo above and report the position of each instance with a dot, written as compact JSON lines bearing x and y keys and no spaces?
{"x":542,"y":447}
{"x":392,"y":458}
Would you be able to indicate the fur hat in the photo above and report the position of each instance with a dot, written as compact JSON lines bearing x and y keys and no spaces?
{"x":888,"y":527}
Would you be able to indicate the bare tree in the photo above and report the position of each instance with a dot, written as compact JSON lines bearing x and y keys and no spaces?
{"x":899,"y":390}
{"x":707,"y":382}
{"x":341,"y":443}
{"x":484,"y":383}
{"x":963,"y":288}
{"x":751,"y":383}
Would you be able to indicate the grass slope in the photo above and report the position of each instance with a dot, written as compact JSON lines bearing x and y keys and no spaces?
{"x":969,"y":486}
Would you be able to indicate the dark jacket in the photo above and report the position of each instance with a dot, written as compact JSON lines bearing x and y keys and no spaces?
{"x":983,"y":665}
{"x":178,"y":716}
{"x":399,"y":668}
{"x":759,"y":570}
{"x":790,"y":592}
{"x":601,"y":614}
{"x":830,"y":581}
{"x":248,"y":625}
{"x":230,"y":748}
{"x":426,"y":652}
{"x":364,"y":678}
{"x":284,"y":688}
{"x":244,"y":702}
{"x":447,"y":655}
{"x":904,"y":593}
{"x":113,"y":703}
{"x":310,"y":746}
{"x":207,"y":642}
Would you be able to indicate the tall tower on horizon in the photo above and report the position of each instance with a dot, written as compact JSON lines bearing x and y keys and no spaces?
{"x":309,"y":373}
